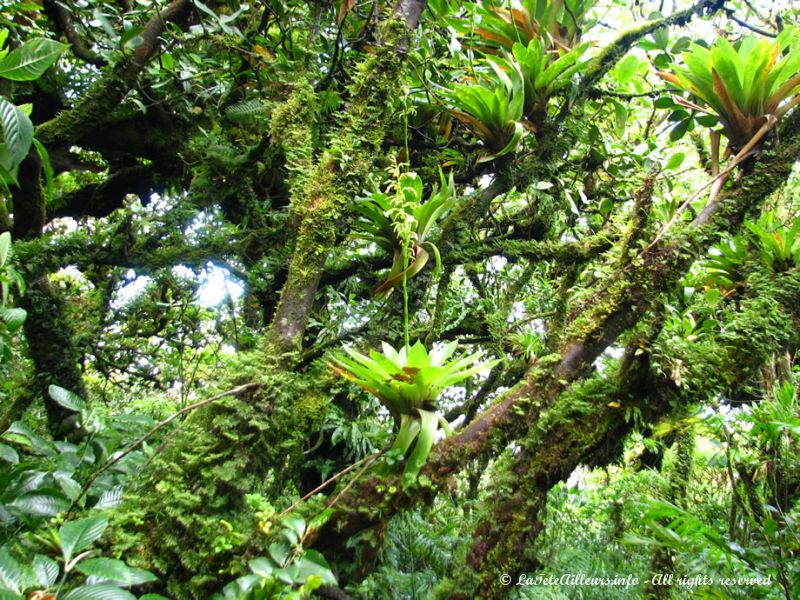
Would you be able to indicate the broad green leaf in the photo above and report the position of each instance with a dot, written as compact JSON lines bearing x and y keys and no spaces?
{"x":294,"y":523}
{"x":675,"y":161}
{"x":9,"y":572}
{"x":14,"y":318}
{"x":17,"y":131}
{"x":627,"y":68}
{"x":664,"y":102}
{"x":5,"y":247}
{"x":66,"y":398}
{"x":131,"y":38}
{"x":680,"y":130}
{"x":103,"y":591}
{"x":661,"y":38}
{"x":68,"y":485}
{"x":312,"y":563}
{"x":45,"y":569}
{"x":262,"y":567}
{"x":110,"y":498}
{"x":41,"y":503}
{"x":8,"y":454}
{"x":19,"y":432}
{"x":279,"y":553}
{"x":110,"y":570}
{"x":620,"y":118}
{"x":31,"y":59}
{"x":79,"y":535}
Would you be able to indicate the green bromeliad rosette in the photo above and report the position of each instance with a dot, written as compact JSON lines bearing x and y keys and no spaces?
{"x":745,"y":88}
{"x":408,"y":383}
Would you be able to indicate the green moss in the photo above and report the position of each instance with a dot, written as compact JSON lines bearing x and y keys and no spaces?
{"x":748,"y":334}
{"x":94,"y":107}
{"x":189,"y":521}
{"x":292,"y":127}
{"x":320,"y":198}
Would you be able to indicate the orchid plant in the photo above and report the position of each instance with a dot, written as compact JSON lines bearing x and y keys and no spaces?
{"x":400,"y":224}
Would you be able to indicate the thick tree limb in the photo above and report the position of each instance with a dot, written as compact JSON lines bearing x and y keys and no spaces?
{"x":62,"y":18}
{"x":535,"y":250}
{"x":94,"y":107}
{"x":654,"y":271}
{"x":102,"y":198}
{"x":320,"y":198}
{"x":45,"y":255}
{"x":589,"y":429}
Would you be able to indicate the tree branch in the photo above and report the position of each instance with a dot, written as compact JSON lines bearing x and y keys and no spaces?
{"x":62,"y":19}
{"x":636,"y":288}
{"x":94,"y":107}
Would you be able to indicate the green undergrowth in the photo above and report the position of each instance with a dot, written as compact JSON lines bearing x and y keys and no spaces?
{"x":189,"y":520}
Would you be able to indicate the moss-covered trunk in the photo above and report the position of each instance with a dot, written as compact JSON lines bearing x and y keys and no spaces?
{"x":52,"y":349}
{"x":192,"y":525}
{"x":50,"y":339}
{"x":320,"y":197}
{"x":629,"y":296}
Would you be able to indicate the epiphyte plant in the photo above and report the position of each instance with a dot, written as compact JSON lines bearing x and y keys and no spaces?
{"x":400,"y":224}
{"x":747,"y":87}
{"x":408,"y":383}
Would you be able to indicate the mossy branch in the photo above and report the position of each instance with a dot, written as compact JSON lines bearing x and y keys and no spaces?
{"x":96,"y":105}
{"x":636,"y":288}
{"x":611,"y":54}
{"x":118,"y":456}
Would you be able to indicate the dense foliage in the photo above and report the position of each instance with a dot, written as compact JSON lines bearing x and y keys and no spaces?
{"x":421,"y":299}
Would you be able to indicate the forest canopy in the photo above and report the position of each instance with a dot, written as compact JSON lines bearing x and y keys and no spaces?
{"x":408,"y":299}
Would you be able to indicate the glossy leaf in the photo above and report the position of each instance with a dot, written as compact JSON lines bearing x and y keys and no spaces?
{"x":31,"y":59}
{"x":66,"y":398}
{"x":41,"y":503}
{"x":17,"y":132}
{"x":109,"y":570}
{"x":103,"y":591}
{"x":78,"y":535}
{"x":10,"y":572}
{"x":46,"y":570}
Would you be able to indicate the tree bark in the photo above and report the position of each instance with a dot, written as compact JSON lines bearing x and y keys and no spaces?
{"x":613,"y":312}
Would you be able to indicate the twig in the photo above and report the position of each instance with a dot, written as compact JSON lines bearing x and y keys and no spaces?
{"x":746,"y":25}
{"x":322,"y":485}
{"x":718,"y":180}
{"x":370,"y":459}
{"x":354,"y":479}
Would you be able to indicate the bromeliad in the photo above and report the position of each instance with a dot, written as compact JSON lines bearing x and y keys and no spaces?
{"x":544,"y":73}
{"x":492,"y":108}
{"x":747,"y":88}
{"x":558,"y":21}
{"x":408,"y":382}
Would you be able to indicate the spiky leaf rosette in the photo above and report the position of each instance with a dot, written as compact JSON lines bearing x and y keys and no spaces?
{"x":544,"y":72}
{"x":410,"y":378}
{"x":492,"y":108}
{"x":741,"y":85}
{"x":408,"y":382}
{"x":559,"y":22}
